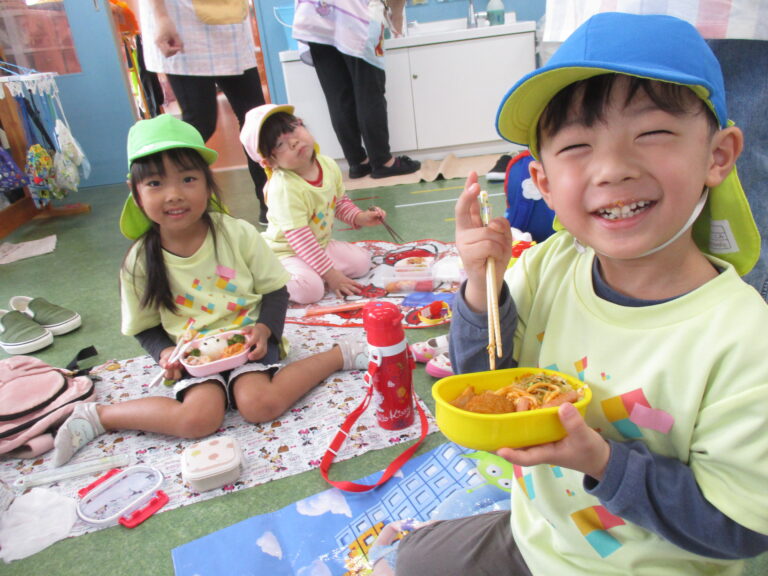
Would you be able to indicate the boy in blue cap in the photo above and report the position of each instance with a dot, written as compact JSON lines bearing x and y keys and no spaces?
{"x":639,"y":296}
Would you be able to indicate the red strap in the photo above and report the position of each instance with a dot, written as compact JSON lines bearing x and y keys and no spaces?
{"x":341,"y":436}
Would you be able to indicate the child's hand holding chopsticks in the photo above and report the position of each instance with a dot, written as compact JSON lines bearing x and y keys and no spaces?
{"x":373,"y":216}
{"x":477,"y":243}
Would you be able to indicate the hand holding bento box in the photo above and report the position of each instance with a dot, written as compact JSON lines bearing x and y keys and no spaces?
{"x":224,"y":351}
{"x":553,"y":431}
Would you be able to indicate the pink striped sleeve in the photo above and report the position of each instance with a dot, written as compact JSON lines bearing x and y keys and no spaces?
{"x":304,"y":243}
{"x":346,"y":211}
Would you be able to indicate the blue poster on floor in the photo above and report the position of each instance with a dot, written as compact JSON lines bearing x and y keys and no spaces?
{"x":330,"y":533}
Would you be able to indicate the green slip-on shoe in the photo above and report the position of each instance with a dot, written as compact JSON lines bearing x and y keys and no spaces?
{"x":55,"y":318}
{"x":19,"y":334}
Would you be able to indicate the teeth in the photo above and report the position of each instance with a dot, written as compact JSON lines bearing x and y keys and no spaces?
{"x":623,"y":210}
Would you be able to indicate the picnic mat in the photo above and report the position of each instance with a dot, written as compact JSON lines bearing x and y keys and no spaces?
{"x":449,"y":167}
{"x":381,"y":283}
{"x":289,"y":445}
{"x":331,"y":533}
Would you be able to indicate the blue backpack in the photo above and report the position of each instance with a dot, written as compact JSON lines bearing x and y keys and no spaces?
{"x":526,"y":209}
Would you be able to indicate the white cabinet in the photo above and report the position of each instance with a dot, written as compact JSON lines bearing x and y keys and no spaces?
{"x":457,"y":87}
{"x":400,"y":113}
{"x":442,"y":91}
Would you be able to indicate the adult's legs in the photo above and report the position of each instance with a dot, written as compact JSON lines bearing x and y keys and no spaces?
{"x":244,"y":93}
{"x":369,"y":85}
{"x":197,"y":99}
{"x":337,"y":84}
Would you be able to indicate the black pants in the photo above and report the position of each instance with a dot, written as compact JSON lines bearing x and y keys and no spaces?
{"x":197,"y":100}
{"x":354,"y":91}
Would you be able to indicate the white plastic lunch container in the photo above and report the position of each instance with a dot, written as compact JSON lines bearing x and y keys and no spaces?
{"x":211,"y":463}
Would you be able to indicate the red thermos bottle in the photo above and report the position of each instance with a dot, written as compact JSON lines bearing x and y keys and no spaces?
{"x":390,"y":365}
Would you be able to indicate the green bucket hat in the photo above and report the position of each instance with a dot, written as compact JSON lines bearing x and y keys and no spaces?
{"x":655,"y":47}
{"x":147,"y":137}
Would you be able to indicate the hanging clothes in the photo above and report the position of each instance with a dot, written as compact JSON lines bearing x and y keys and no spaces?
{"x":145,"y":85}
{"x":55,"y":162}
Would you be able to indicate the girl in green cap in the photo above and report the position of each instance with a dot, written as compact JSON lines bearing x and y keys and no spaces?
{"x":192,"y":265}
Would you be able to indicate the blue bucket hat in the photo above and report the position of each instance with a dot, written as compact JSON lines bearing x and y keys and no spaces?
{"x":661,"y":48}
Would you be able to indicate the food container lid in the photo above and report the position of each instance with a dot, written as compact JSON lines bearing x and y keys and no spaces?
{"x":119,"y":495}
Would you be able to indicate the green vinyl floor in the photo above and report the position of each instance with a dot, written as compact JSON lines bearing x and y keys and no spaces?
{"x":82,"y":274}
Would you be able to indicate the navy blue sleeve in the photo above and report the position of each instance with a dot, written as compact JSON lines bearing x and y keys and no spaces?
{"x":661,"y":495}
{"x":468,"y":340}
{"x":272,"y":314}
{"x":154,"y":340}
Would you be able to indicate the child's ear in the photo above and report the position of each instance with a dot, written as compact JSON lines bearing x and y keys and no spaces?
{"x":540,"y":180}
{"x":727,"y":145}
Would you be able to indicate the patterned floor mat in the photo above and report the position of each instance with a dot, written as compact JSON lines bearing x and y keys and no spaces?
{"x":290,"y":445}
{"x":381,"y":283}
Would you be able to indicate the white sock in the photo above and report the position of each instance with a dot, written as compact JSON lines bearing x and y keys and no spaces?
{"x":81,"y":427}
{"x":354,"y":350}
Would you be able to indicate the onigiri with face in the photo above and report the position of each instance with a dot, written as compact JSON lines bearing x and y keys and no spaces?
{"x":213,"y":346}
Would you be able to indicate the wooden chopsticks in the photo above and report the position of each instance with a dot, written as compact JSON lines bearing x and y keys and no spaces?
{"x":494,"y":327}
{"x":395,"y":236}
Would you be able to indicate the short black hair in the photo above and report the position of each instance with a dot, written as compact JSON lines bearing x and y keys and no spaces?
{"x":275,"y":126}
{"x":594,"y":94}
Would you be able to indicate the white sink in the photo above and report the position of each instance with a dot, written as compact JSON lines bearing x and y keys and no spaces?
{"x":422,"y":33}
{"x":439,"y":31}
{"x":436,"y":27}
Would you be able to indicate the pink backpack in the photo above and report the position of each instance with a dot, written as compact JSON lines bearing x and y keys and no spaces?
{"x":35,"y":398}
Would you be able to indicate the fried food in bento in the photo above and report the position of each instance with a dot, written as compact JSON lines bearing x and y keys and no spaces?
{"x":532,"y":391}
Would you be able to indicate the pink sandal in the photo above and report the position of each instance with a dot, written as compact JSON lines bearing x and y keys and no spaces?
{"x":426,"y":351}
{"x":440,"y":366}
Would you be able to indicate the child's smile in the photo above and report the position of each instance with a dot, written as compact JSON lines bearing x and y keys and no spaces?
{"x":627,"y":183}
{"x":621,"y":210}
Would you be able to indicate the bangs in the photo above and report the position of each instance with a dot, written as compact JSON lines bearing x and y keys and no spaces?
{"x":275,"y":126}
{"x":585,"y":102}
{"x":182,"y":158}
{"x":152,"y":165}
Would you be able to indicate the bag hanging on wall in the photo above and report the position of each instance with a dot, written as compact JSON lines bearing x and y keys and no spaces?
{"x":66,"y":142}
{"x":11,"y":176}
{"x":39,"y":166}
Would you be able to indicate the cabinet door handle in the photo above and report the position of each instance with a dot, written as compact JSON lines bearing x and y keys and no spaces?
{"x":96,"y":5}
{"x":415,"y":76}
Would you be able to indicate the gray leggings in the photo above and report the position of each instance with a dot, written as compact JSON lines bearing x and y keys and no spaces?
{"x":476,"y":545}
